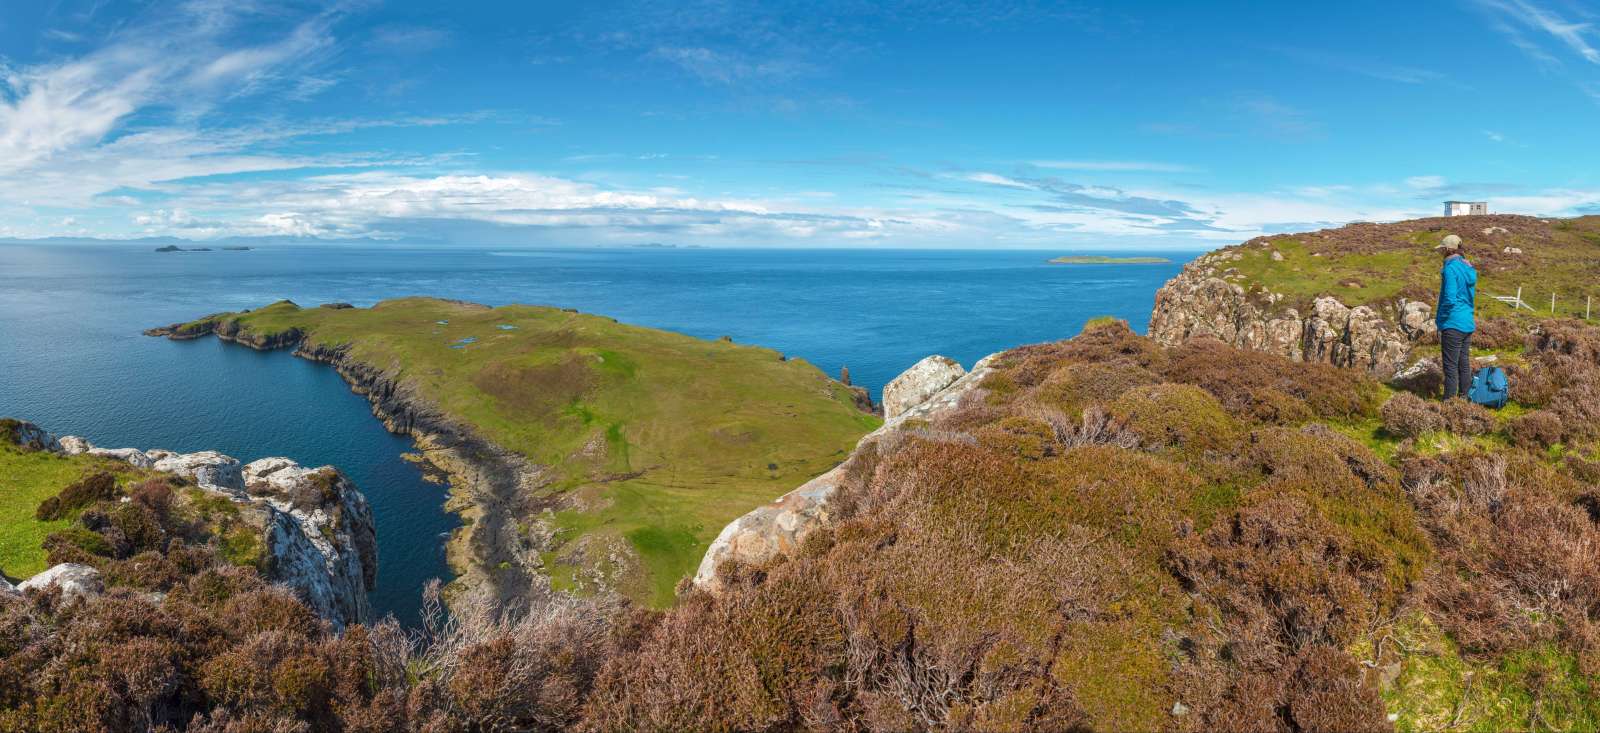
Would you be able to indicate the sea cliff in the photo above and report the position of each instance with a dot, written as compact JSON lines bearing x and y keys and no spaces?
{"x":309,"y":529}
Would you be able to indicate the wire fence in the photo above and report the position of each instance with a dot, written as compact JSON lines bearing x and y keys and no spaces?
{"x":1570,"y":304}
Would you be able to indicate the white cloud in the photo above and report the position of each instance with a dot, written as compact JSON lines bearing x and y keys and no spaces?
{"x":1425,"y":182}
{"x":1514,"y":16}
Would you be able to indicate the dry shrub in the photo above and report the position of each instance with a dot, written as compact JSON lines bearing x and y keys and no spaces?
{"x":1567,"y":337}
{"x":1271,"y":389}
{"x":1406,"y":415}
{"x":1498,"y":333}
{"x":1539,"y":429}
{"x":1464,"y":417}
{"x":1519,"y":552}
{"x":528,"y":667}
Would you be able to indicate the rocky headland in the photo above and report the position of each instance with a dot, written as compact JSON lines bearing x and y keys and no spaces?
{"x":309,"y":529}
{"x":516,"y":501}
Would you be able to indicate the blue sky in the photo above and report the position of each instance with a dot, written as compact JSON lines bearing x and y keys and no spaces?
{"x":873,"y":124}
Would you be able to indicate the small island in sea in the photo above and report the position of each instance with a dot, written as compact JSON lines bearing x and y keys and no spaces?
{"x":1104,"y":260}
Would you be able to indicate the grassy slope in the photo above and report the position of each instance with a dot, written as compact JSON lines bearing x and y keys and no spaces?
{"x":665,"y":438}
{"x":30,"y":477}
{"x":1365,"y":264}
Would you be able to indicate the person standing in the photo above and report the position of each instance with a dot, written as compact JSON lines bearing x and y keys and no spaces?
{"x":1458,"y":286}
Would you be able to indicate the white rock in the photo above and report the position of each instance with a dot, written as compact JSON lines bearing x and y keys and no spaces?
{"x":207,"y":468}
{"x":73,"y":445}
{"x":75,"y":581}
{"x":131,"y":456}
{"x":914,"y":386}
{"x":7,"y":589}
{"x":1512,"y":250}
{"x":1277,"y":256}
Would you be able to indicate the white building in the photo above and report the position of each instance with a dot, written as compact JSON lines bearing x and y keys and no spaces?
{"x":1465,"y":208}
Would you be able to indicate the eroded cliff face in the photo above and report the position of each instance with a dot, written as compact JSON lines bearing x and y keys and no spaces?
{"x":930,"y":388}
{"x":487,"y":482}
{"x":1209,"y":300}
{"x":315,"y":527}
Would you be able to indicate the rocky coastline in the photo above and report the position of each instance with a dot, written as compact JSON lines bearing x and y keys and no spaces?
{"x":486,"y":482}
{"x":314,"y":526}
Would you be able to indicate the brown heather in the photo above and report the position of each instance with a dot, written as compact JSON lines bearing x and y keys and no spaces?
{"x":1107,"y":530}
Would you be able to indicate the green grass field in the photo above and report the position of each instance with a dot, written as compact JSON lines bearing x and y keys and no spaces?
{"x":1369,"y":264}
{"x":662,"y":438}
{"x":27,"y":478}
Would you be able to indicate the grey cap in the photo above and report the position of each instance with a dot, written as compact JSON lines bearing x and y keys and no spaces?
{"x":1450,"y":243}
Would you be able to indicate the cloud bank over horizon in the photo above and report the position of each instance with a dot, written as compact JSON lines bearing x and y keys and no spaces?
{"x":890,"y":125}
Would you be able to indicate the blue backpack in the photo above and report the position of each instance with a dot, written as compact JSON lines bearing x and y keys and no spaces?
{"x":1489,"y":387}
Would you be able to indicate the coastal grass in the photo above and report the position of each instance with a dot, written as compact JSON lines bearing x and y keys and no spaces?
{"x":650,"y":436}
{"x":27,"y":478}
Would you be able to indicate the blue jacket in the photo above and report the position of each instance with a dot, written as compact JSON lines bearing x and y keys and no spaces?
{"x":1458,"y":285}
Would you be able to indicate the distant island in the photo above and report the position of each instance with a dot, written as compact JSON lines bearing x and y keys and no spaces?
{"x":176,"y":248}
{"x":1104,"y":260}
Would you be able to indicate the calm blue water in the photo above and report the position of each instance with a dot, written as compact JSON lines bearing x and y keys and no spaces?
{"x":73,"y":361}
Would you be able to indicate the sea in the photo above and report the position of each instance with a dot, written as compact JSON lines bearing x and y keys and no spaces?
{"x":73,"y":361}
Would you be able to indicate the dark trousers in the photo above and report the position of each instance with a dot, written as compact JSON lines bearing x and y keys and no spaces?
{"x":1456,"y":359}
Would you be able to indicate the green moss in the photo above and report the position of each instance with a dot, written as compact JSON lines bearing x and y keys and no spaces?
{"x":1435,"y":688}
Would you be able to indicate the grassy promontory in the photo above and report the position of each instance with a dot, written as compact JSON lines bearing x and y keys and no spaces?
{"x":1367,"y":264}
{"x":647,"y":442}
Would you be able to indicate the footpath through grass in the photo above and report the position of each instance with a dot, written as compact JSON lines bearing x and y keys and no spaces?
{"x":654,"y":439}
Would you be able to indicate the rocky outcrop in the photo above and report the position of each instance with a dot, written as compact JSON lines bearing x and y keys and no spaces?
{"x":320,"y":537}
{"x":73,"y":580}
{"x":781,"y":526}
{"x":914,"y":386}
{"x":1207,"y":300}
{"x":6,"y":588}
{"x":316,"y":528}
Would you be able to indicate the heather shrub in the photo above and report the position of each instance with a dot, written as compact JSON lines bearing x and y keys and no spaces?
{"x":1271,"y":389}
{"x":97,"y":486}
{"x":1406,"y":415}
{"x":1498,"y":333}
{"x":1464,"y":417}
{"x":1538,"y":429}
{"x":1075,"y":386}
{"x":1177,"y":416}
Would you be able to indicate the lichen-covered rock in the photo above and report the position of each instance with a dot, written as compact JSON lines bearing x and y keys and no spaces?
{"x":7,"y":589}
{"x":207,"y":468}
{"x":782,"y":525}
{"x":74,"y":580}
{"x":315,"y":526}
{"x":1422,"y":378}
{"x":924,"y":379}
{"x":1203,"y":303}
{"x":321,"y":539}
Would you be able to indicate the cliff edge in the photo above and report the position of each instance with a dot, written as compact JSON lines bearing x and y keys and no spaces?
{"x":1361,"y":295}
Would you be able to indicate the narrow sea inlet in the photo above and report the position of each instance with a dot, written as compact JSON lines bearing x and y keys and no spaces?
{"x":73,"y":360}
